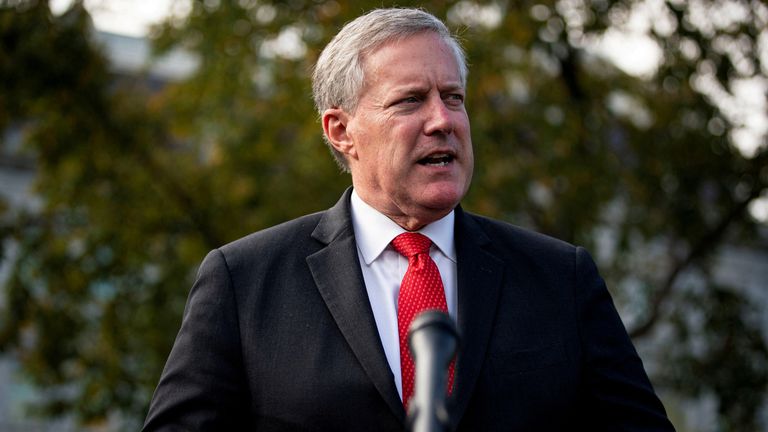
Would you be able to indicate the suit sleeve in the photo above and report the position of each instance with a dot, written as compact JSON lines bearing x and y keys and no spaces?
{"x":202,"y":386}
{"x":618,"y":393}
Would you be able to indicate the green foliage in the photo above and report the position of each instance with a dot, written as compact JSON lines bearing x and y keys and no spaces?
{"x":137,"y":184}
{"x":724,"y":349}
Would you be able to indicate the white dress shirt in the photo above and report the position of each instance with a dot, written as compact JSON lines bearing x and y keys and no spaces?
{"x":384,"y":268}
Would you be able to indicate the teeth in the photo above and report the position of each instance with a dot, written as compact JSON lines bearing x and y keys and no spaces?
{"x":439,"y":159}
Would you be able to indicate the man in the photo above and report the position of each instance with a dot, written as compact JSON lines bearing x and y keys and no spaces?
{"x":297,"y":327}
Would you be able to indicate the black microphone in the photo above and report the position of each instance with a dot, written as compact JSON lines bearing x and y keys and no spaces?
{"x":433,"y":340}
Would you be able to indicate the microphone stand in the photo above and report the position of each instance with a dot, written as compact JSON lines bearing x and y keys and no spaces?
{"x":433,"y":340}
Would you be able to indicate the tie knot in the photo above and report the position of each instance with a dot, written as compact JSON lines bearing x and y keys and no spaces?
{"x":409,"y":244}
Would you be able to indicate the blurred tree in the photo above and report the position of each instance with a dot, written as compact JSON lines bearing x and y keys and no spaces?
{"x":136,"y":185}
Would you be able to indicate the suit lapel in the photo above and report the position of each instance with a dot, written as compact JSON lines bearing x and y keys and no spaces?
{"x":339,"y":280}
{"x":479,"y":285}
{"x":337,"y":273}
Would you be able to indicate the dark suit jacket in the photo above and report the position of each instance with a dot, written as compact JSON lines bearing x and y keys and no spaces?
{"x":278,"y":334}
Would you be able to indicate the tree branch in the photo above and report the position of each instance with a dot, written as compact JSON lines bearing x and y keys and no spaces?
{"x":705,"y":244}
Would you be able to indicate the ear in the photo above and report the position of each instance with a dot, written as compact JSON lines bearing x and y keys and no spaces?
{"x":335,"y":121}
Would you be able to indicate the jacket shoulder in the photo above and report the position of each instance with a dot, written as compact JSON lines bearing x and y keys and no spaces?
{"x":294,"y":236}
{"x":505,"y":236}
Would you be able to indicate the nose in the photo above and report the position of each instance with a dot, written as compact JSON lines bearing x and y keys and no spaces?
{"x":439,"y":118}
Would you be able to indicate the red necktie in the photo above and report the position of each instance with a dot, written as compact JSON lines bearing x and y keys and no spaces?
{"x":421,"y":289}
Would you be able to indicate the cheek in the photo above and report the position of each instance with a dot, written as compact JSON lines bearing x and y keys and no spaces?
{"x":462,"y":123}
{"x":393,"y":148}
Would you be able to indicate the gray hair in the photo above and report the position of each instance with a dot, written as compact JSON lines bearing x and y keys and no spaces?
{"x":338,"y":77}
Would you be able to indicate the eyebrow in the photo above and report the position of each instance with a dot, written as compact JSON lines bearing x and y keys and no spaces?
{"x":421,"y":89}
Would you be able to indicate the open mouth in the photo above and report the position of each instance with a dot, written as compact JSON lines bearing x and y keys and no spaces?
{"x":438,"y":159}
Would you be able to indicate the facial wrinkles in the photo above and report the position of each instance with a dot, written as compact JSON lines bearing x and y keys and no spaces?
{"x":380,"y":106}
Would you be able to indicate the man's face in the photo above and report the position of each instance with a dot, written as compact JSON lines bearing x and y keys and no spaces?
{"x":410,"y":149}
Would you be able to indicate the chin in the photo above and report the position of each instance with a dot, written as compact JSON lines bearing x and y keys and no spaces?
{"x":442,"y":201}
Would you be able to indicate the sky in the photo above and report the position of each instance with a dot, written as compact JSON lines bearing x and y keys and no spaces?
{"x":135,"y":17}
{"x":126,"y":17}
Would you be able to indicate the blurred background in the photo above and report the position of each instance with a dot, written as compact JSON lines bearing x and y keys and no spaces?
{"x":137,"y":135}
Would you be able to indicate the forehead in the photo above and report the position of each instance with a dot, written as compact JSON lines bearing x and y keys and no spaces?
{"x":421,"y":55}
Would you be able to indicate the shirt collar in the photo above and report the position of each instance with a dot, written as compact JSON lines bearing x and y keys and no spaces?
{"x":374,"y":231}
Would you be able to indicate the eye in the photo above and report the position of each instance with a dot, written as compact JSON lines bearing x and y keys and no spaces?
{"x":407,"y":102}
{"x":454,"y":98}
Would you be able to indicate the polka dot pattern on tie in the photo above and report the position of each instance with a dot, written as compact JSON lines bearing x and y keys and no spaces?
{"x":421,"y":289}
